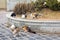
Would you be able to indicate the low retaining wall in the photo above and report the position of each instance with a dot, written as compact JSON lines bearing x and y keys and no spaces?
{"x":38,"y":26}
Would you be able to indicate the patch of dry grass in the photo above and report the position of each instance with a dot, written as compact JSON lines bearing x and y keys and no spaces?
{"x":47,"y":14}
{"x":50,"y":15}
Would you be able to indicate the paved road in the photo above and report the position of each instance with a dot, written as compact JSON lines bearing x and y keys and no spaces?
{"x":6,"y":34}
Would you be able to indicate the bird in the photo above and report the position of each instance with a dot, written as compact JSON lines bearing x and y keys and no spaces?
{"x":27,"y":29}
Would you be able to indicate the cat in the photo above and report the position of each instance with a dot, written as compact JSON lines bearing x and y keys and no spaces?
{"x":34,"y":15}
{"x":16,"y":30}
{"x":24,"y":16}
{"x":27,"y":29}
{"x":13,"y":14}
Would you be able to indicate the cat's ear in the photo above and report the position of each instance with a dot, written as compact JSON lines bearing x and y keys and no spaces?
{"x":12,"y":27}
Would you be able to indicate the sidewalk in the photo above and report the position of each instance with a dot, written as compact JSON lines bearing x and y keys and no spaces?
{"x":5,"y":34}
